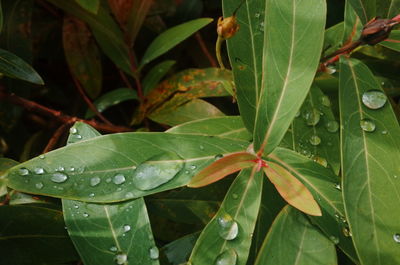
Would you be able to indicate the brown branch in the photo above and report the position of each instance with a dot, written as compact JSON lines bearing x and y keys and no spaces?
{"x":88,"y":101}
{"x":58,"y":115}
{"x":56,"y":136}
{"x":204,"y":49}
{"x":125,"y":79}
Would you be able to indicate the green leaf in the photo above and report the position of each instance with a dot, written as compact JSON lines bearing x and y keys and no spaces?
{"x":5,"y":163}
{"x":171,"y":37}
{"x":227,"y":237}
{"x":370,"y":169}
{"x":68,"y":171}
{"x":90,"y":5}
{"x":190,"y":111}
{"x":105,"y":30}
{"x":352,"y":24}
{"x":110,"y":99}
{"x":387,"y":8}
{"x":34,"y":235}
{"x":324,"y":186}
{"x":292,"y":239}
{"x":82,"y":55}
{"x":13,"y":66}
{"x":222,"y":167}
{"x":155,"y":74}
{"x":227,"y":127}
{"x":333,"y":38}
{"x":365,"y":9}
{"x":315,"y":131}
{"x":178,"y":251}
{"x":291,"y":189}
{"x":291,"y":53}
{"x":393,"y":41}
{"x":137,"y":15}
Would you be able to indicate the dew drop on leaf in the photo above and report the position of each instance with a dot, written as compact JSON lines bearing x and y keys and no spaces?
{"x":91,"y":195}
{"x":113,"y":249}
{"x":315,"y":140}
{"x":59,"y":177}
{"x":337,"y":186}
{"x":41,"y":156}
{"x":312,"y":116}
{"x":119,"y":179}
{"x":193,"y":167}
{"x":23,"y":171}
{"x":320,"y":160}
{"x":228,"y":228}
{"x":367,"y":125}
{"x":374,"y":99}
{"x":235,"y":196}
{"x":95,"y":181}
{"x":334,"y":239}
{"x":120,"y":258}
{"x":85,"y":215}
{"x":201,"y":147}
{"x":127,"y":228}
{"x":325,"y":101}
{"x":218,"y":156}
{"x":228,"y":257}
{"x":346,"y":232}
{"x":39,"y":185}
{"x":396,"y":238}
{"x":154,"y":253}
{"x":76,"y":206}
{"x":157,"y":170}
{"x":38,"y":170}
{"x":332,"y":126}
{"x":384,"y":132}
{"x":73,"y":130}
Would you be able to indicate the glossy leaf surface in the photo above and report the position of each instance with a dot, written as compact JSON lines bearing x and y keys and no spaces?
{"x":370,"y":169}
{"x":90,"y":5}
{"x":112,"y":98}
{"x":13,"y":66}
{"x":325,"y":188}
{"x":178,"y":251}
{"x":115,"y":160}
{"x":289,"y":63}
{"x":222,"y":167}
{"x":34,"y":235}
{"x":291,"y":189}
{"x":154,"y":76}
{"x":292,"y":239}
{"x":82,"y":55}
{"x":171,"y":37}
{"x":228,"y":235}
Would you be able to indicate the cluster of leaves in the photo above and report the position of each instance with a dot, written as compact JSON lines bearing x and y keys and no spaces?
{"x":316,"y":143}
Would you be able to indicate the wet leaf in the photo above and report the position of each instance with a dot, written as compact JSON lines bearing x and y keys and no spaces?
{"x":171,"y":37}
{"x":222,"y":167}
{"x":13,"y":66}
{"x":82,"y":55}
{"x":90,"y":5}
{"x":34,"y":235}
{"x":178,"y":251}
{"x":292,"y":239}
{"x":193,"y":110}
{"x":110,"y":99}
{"x":228,"y":235}
{"x":154,"y":76}
{"x":291,"y":189}
{"x":370,"y":170}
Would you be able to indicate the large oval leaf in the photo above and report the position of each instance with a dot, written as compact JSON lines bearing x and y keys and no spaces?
{"x":370,"y":165}
{"x":292,"y":239}
{"x":293,"y":38}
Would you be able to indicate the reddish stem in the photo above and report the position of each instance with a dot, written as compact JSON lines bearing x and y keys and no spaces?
{"x":204,"y":49}
{"x":56,"y":136}
{"x":125,"y":79}
{"x":136,"y":75}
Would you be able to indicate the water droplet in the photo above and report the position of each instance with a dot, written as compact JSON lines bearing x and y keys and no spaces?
{"x":332,"y":126}
{"x":235,"y":196}
{"x":71,"y":169}
{"x":261,"y":26}
{"x":330,"y":70}
{"x":320,"y":160}
{"x":119,"y":179}
{"x":154,"y":252}
{"x":60,"y":169}
{"x":108,"y":180}
{"x":374,"y":99}
{"x":113,"y":249}
{"x":346,"y":232}
{"x":325,"y":101}
{"x":129,"y":195}
{"x":127,"y":228}
{"x":121,"y":258}
{"x":396,"y":238}
{"x":315,"y":140}
{"x":78,"y":136}
{"x":95,"y":181}
{"x":228,"y":228}
{"x":201,"y":147}
{"x":257,"y":15}
{"x":193,"y":167}
{"x":218,"y":156}
{"x":228,"y":257}
{"x":338,"y":187}
{"x":85,"y":215}
{"x":312,"y":116}
{"x":59,"y":177}
{"x":297,"y":114}
{"x":395,"y":176}
{"x":41,"y":156}
{"x":39,"y":185}
{"x":76,"y":206}
{"x":73,"y":130}
{"x":384,"y":132}
{"x":38,"y":170}
{"x":334,"y":239}
{"x":157,"y":170}
{"x":367,"y":125}
{"x":23,"y":171}
{"x":91,"y":195}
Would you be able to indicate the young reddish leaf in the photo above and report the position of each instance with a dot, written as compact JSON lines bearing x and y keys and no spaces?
{"x":221,"y":168}
{"x":291,"y":189}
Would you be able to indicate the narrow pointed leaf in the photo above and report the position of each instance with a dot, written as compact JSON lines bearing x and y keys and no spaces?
{"x":221,"y":168}
{"x":292,"y":239}
{"x":291,"y":53}
{"x":325,"y":188}
{"x":178,"y":251}
{"x":228,"y":127}
{"x":172,"y":37}
{"x":228,"y":235}
{"x":34,"y":235}
{"x":291,"y":189}
{"x":370,"y":166}
{"x":387,"y":8}
{"x":140,"y":9}
{"x":156,"y":73}
{"x":124,"y":163}
{"x":90,"y":5}
{"x":13,"y":66}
